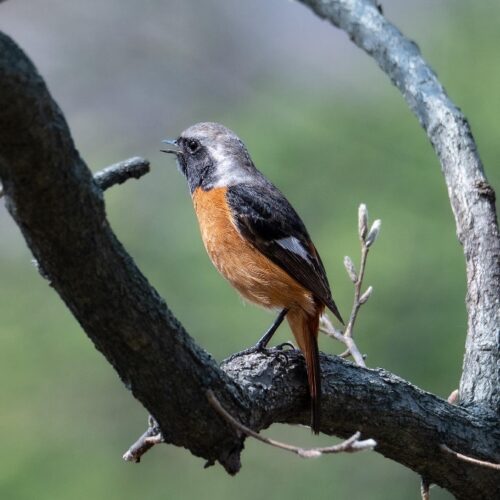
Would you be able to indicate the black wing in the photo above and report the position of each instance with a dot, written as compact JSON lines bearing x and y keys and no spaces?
{"x":266,"y":218}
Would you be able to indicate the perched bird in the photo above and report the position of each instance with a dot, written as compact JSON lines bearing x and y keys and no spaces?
{"x":256,"y":240}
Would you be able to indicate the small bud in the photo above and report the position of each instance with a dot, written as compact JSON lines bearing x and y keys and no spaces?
{"x":366,"y":295}
{"x":351,"y":270}
{"x":309,"y":453}
{"x":362,"y":221}
{"x":372,"y":235}
{"x":367,"y":444}
{"x":454,"y":397}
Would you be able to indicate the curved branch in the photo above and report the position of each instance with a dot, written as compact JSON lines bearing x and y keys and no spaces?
{"x":472,"y":198}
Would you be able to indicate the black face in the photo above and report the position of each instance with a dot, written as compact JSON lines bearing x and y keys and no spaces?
{"x":195,"y":163}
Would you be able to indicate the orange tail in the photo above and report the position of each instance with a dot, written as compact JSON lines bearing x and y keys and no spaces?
{"x":305,"y":330}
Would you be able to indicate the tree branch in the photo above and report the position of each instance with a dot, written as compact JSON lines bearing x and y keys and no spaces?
{"x":472,"y":198}
{"x":59,"y":208}
{"x":122,"y":171}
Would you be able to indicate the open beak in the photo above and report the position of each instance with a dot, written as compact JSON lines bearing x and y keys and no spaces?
{"x":171,"y":142}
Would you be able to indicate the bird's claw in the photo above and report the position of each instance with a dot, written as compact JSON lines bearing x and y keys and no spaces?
{"x":281,"y":347}
{"x":257,"y":348}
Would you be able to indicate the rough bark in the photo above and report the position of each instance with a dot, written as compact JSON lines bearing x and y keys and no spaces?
{"x":53,"y":198}
{"x":472,"y":198}
{"x":59,"y":207}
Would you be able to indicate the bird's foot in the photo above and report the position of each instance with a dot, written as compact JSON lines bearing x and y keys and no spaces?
{"x":281,"y":347}
{"x":251,"y":350}
{"x":281,"y":351}
{"x":261,"y":349}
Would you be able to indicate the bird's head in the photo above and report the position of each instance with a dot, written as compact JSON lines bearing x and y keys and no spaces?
{"x":210,"y":155}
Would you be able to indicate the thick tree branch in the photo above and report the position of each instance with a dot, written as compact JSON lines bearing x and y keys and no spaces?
{"x":60,"y":210}
{"x":472,"y":198}
{"x":405,"y":421}
{"x":59,"y":207}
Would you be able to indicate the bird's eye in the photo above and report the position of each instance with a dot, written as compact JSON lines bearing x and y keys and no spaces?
{"x":193,"y":146}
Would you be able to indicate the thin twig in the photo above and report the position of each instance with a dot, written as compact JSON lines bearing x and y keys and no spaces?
{"x":151,"y":437}
{"x":465,"y":458}
{"x":350,"y":445}
{"x":328,"y":329}
{"x":357,"y":291}
{"x":425,"y":489}
{"x":122,"y":171}
{"x":366,"y":238}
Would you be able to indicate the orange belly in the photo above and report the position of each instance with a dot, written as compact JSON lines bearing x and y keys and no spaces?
{"x":255,"y":277}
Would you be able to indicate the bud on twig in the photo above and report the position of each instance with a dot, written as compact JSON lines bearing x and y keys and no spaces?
{"x":366,"y":295}
{"x":309,"y":453}
{"x":372,"y":235}
{"x":362,"y":221}
{"x":351,"y":270}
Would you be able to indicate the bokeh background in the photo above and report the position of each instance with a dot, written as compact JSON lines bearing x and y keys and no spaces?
{"x":324,"y":123}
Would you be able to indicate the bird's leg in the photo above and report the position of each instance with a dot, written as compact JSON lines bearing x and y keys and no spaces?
{"x":261,"y":345}
{"x":264,"y":340}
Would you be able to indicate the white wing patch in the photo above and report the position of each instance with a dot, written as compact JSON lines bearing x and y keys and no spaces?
{"x":292,"y":244}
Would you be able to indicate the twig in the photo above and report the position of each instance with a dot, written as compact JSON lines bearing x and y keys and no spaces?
{"x":151,"y":437}
{"x":350,"y":445}
{"x":328,"y":329}
{"x":122,"y":171}
{"x":424,"y":489}
{"x":465,"y":458}
{"x":367,"y":238}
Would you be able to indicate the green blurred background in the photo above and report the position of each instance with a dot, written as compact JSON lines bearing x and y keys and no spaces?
{"x":323,"y":122}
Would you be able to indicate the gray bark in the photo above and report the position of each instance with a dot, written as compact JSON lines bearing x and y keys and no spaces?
{"x":59,"y":207}
{"x":472,"y":198}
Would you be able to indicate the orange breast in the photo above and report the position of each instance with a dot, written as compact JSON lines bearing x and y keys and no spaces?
{"x":256,"y":277}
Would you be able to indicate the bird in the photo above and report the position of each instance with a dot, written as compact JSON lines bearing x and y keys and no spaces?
{"x":256,"y":240}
